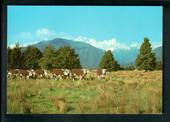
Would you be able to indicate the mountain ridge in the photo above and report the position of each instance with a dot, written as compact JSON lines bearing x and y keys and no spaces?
{"x":90,"y":56}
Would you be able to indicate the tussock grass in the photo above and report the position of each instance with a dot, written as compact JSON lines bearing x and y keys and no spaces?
{"x":129,"y":92}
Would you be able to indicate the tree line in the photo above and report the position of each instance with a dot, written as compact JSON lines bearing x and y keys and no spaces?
{"x":145,"y":60}
{"x":66,"y":57}
{"x":33,"y":58}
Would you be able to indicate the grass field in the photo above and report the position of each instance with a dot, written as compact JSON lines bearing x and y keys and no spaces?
{"x":127,"y":92}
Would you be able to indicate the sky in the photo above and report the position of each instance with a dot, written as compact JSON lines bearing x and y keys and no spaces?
{"x":105,"y":27}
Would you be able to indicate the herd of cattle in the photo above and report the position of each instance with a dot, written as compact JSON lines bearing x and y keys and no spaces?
{"x":55,"y":73}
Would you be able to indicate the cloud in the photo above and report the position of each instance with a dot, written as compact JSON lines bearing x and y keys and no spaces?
{"x":134,"y":45}
{"x":28,"y":38}
{"x":21,"y":38}
{"x":110,"y":44}
{"x":12,"y":45}
{"x":45,"y":34}
{"x":24,"y":36}
{"x":81,"y":39}
{"x":27,"y":35}
{"x":155,"y":45}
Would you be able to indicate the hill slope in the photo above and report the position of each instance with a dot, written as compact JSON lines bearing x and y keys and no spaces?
{"x":158,"y":53}
{"x":90,"y":56}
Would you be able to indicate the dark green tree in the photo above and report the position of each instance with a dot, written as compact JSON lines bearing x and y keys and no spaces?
{"x":31,"y":57}
{"x":64,"y":57}
{"x":16,"y":57}
{"x":117,"y":66}
{"x":49,"y":57}
{"x":130,"y":68}
{"x":67,"y":58}
{"x":108,"y":62}
{"x":158,"y":65}
{"x":146,"y":58}
{"x":9,"y":59}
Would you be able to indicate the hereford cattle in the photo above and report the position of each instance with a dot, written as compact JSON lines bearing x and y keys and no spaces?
{"x":66,"y":73}
{"x":12,"y":73}
{"x":57,"y":73}
{"x":39,"y":73}
{"x":81,"y":73}
{"x":101,"y":73}
{"x":24,"y":74}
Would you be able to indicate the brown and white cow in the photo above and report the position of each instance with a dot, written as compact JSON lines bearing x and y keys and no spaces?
{"x":101,"y":73}
{"x":57,"y":73}
{"x":81,"y":73}
{"x":12,"y":73}
{"x":40,"y":73}
{"x":25,"y":74}
{"x":66,"y":73}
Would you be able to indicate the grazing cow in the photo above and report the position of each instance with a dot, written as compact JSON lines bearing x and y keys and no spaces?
{"x":66,"y":73}
{"x":24,"y":74}
{"x":81,"y":73}
{"x":12,"y":73}
{"x":101,"y":73}
{"x":39,"y":73}
{"x":57,"y":73}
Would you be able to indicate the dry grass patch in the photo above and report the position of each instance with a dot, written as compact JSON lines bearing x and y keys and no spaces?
{"x":120,"y":92}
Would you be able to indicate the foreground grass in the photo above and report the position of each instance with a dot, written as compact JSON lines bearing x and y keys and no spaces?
{"x":121,"y":92}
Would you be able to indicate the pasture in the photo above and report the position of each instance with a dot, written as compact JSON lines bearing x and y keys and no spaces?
{"x":129,"y":92}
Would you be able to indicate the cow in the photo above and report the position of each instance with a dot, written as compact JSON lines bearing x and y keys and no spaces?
{"x":12,"y":73}
{"x":39,"y":73}
{"x":66,"y":73}
{"x":81,"y":73}
{"x":25,"y":74}
{"x":101,"y":73}
{"x":57,"y":73}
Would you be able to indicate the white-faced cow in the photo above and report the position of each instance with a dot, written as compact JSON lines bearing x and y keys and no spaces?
{"x":101,"y":73}
{"x":12,"y":73}
{"x":25,"y":74}
{"x":40,"y":73}
{"x":81,"y":73}
{"x":66,"y":73}
{"x":57,"y":73}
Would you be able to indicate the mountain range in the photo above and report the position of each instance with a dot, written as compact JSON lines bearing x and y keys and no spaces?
{"x":90,"y":56}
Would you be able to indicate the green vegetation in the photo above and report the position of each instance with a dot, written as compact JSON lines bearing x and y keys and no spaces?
{"x":67,"y":58}
{"x":64,"y":57}
{"x":146,"y":59}
{"x":15,"y":57}
{"x":120,"y":92}
{"x":31,"y":57}
{"x":49,"y":56}
{"x":9,"y":57}
{"x":131,"y":67}
{"x":159,"y":65}
{"x":108,"y":62}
